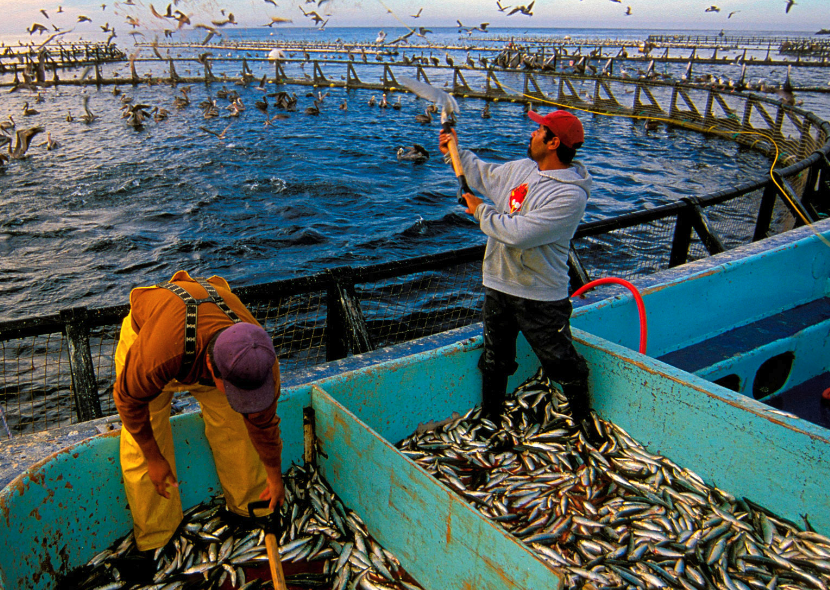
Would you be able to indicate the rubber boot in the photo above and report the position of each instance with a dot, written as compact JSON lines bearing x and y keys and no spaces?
{"x":576,"y":392}
{"x":493,"y":392}
{"x":138,"y":568}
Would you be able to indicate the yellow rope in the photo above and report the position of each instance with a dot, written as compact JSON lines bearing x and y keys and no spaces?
{"x":795,"y":206}
{"x":712,"y":129}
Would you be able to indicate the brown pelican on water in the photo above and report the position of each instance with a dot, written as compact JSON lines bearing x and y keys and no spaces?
{"x":414,"y":153}
{"x":50,"y":143}
{"x":426,"y":118}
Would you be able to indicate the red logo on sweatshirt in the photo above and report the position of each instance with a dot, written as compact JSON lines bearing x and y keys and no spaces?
{"x":517,"y":197}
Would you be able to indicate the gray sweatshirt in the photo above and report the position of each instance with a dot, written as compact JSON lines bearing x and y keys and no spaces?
{"x":530,"y":225}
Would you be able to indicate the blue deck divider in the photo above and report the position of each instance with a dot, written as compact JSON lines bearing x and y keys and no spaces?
{"x":441,"y":540}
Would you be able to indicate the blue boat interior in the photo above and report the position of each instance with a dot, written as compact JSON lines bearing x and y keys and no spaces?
{"x":66,"y":509}
{"x":757,"y":323}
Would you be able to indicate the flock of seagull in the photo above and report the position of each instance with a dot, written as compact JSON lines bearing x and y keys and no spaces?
{"x":172,"y":20}
{"x":19,"y":140}
{"x":136,"y":115}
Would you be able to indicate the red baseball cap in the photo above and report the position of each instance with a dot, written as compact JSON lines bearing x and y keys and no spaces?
{"x":563,"y":124}
{"x":245,"y":357}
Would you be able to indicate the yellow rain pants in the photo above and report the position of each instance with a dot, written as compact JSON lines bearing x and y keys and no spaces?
{"x":241,"y":472}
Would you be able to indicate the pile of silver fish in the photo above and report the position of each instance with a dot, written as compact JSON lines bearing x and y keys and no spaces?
{"x":613,"y":515}
{"x":210,"y":548}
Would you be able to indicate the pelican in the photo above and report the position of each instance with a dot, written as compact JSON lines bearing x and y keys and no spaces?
{"x":313,"y":110}
{"x":50,"y":143}
{"x":88,"y":116}
{"x":27,"y":112}
{"x":23,"y":139}
{"x":485,"y":112}
{"x":426,"y":118}
{"x":220,"y":136}
{"x":383,"y":104}
{"x":275,"y":118}
{"x":372,"y":101}
{"x":397,"y":105}
{"x":414,"y":153}
{"x":160,"y":115}
{"x":262,"y":104}
{"x":6,"y":125}
{"x":344,"y":106}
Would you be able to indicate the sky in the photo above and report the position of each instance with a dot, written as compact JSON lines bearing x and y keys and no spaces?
{"x":747,"y":15}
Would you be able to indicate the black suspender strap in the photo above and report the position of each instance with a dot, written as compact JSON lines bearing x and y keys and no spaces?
{"x":211,"y":291}
{"x":191,"y":316}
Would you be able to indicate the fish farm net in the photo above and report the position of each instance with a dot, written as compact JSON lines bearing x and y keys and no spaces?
{"x":613,"y":514}
{"x":627,"y":252}
{"x":403,"y":308}
{"x":297,"y":324}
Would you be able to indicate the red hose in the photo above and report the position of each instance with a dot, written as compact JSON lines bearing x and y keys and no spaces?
{"x":640,"y":305}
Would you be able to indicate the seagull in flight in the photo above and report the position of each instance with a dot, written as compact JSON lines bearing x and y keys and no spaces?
{"x":789,"y":5}
{"x":416,"y":15}
{"x":501,"y":8}
{"x":527,"y":10}
{"x":733,"y":12}
{"x":712,"y":8}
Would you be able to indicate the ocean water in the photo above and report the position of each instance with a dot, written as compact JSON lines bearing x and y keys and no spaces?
{"x":113,"y":208}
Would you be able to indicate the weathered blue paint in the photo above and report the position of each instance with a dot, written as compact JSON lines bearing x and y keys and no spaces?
{"x":71,"y":506}
{"x":694,"y":306}
{"x":439,"y":539}
{"x":51,"y":518}
{"x":736,"y":443}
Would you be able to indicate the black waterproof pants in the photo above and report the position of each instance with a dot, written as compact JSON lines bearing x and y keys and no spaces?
{"x":546,"y":326}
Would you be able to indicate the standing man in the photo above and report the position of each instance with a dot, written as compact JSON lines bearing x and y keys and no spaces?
{"x":194,"y":334}
{"x":537,"y":205}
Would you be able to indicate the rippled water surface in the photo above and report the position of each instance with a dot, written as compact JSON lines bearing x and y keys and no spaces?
{"x":114,"y":208}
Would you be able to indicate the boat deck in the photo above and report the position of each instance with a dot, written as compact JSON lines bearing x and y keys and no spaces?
{"x":744,"y":339}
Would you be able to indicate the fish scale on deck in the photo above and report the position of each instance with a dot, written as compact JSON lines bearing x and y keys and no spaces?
{"x":206,"y":550}
{"x":616,"y":516}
